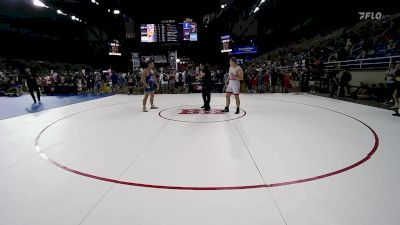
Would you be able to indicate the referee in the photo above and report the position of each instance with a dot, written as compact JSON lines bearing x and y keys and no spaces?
{"x":205,"y":77}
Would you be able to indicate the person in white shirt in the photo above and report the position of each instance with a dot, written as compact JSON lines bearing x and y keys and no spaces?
{"x":234,"y":77}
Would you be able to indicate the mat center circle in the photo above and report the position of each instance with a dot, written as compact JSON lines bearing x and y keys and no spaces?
{"x":195,"y":114}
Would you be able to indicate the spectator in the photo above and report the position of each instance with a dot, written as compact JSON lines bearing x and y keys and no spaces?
{"x":344,"y":79}
{"x":90,"y":83}
{"x":97,"y":84}
{"x":179,"y":80}
{"x":334,"y":81}
{"x":397,"y":92}
{"x":79,"y":85}
{"x":362,"y":92}
{"x":274,"y":80}
{"x":266,"y":80}
{"x":295,"y":82}
{"x":378,"y":92}
{"x":390,"y":80}
{"x":122,"y":82}
{"x":31,"y":81}
{"x":131,"y":83}
{"x":164,"y":82}
{"x":311,"y":83}
{"x":172,"y":81}
{"x":348,"y":46}
{"x":305,"y":79}
{"x":286,"y":82}
{"x":260,"y":81}
{"x":114,"y":83}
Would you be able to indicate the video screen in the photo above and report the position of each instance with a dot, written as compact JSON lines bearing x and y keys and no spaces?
{"x":225,"y":43}
{"x":189,"y":31}
{"x":168,"y":31}
{"x":114,"y":48}
{"x":171,"y":32}
{"x":193,"y":32}
{"x":148,"y":33}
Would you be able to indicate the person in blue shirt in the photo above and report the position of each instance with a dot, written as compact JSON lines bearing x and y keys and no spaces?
{"x":150,"y":84}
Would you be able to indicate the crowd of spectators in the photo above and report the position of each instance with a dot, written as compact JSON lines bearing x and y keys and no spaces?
{"x":296,"y":68}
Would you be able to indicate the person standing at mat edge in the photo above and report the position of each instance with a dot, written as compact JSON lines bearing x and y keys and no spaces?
{"x":31,"y":82}
{"x":150,"y":81}
{"x":234,"y":77}
{"x":205,"y":77}
{"x":397,"y":86}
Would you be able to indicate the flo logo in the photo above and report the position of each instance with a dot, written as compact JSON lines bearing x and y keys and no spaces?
{"x":370,"y":15}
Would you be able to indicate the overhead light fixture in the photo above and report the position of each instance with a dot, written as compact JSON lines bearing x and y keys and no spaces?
{"x":39,"y":3}
{"x":223,"y":6}
{"x":116,"y":12}
{"x":262,"y":1}
{"x":109,"y":10}
{"x":61,"y":12}
{"x":256,"y":9}
{"x":178,"y":60}
{"x":76,"y":18}
{"x":93,"y":1}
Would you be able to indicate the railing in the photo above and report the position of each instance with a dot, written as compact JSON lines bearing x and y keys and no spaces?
{"x":356,"y":49}
{"x":368,"y":63}
{"x":380,"y":63}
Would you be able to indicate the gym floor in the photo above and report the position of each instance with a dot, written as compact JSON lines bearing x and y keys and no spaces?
{"x":285,"y":159}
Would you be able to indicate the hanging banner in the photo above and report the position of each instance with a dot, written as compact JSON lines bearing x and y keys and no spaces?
{"x":172,"y":56}
{"x":136,"y":60}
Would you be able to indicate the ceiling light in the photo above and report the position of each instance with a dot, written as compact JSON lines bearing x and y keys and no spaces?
{"x":256,"y":9}
{"x":93,"y":1}
{"x":116,"y":11}
{"x":39,"y":3}
{"x":61,"y":12}
{"x":223,"y":6}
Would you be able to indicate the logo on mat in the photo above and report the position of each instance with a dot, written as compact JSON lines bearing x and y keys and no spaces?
{"x":199,"y":111}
